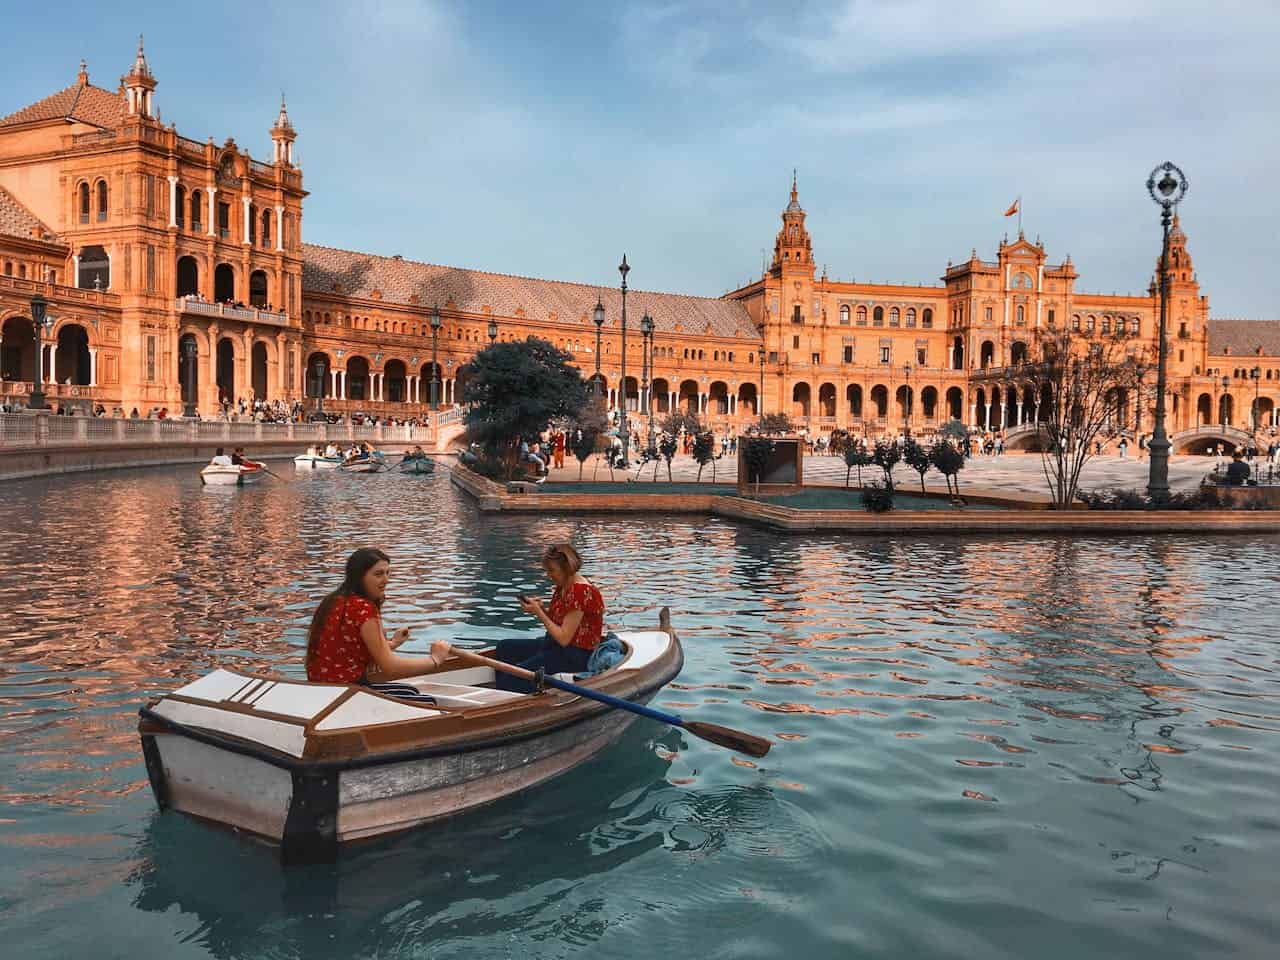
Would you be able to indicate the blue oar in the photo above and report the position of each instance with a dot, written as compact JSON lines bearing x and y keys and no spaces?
{"x":752,"y":746}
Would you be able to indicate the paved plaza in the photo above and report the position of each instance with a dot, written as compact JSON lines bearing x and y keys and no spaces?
{"x":1020,"y":474}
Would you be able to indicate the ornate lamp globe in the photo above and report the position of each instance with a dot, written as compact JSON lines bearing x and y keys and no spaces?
{"x":623,"y":268}
{"x":597,"y":314}
{"x":39,"y":311}
{"x":646,"y":325}
{"x":493,"y":329}
{"x":1167,"y":185}
{"x":435,"y":318}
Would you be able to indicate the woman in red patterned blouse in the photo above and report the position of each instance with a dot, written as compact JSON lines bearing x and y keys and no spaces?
{"x":574,"y":621}
{"x":345,"y":643}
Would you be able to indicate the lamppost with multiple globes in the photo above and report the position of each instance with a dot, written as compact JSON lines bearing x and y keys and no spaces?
{"x":41,"y":322}
{"x":493,"y":332}
{"x":1256,"y":376}
{"x":1167,"y":187}
{"x":646,"y":371}
{"x":435,"y":350}
{"x":1222,"y":407}
{"x":318,"y":370}
{"x":597,"y":317}
{"x":189,"y":352}
{"x":906,"y":406}
{"x":622,"y":380}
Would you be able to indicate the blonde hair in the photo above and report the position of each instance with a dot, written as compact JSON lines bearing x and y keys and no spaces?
{"x":563,"y":556}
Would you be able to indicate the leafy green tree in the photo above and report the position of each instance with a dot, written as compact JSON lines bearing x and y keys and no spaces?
{"x":515,"y":389}
{"x":704,"y":452}
{"x":593,"y":422}
{"x":886,"y":457}
{"x":757,"y":451}
{"x":678,"y":420}
{"x":877,"y":498}
{"x":855,"y":456}
{"x":953,"y":429}
{"x":917,"y":458}
{"x":949,"y":462}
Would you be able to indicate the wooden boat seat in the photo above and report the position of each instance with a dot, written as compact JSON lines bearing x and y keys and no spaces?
{"x":458,"y":694}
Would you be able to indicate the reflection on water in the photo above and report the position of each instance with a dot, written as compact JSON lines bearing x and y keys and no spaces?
{"x":1002,"y":747}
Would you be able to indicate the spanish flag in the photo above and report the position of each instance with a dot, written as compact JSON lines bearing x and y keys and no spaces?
{"x":1013,"y":208}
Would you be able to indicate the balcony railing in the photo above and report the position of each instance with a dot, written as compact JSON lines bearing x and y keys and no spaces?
{"x":248,"y":314}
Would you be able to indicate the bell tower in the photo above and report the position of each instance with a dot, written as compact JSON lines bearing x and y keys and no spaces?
{"x":139,"y":85}
{"x":283,"y":135}
{"x":793,"y":248}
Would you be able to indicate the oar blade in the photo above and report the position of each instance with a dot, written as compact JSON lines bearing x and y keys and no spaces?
{"x":752,"y":746}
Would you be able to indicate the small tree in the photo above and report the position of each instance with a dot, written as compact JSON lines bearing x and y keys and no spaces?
{"x":592,"y":420}
{"x":515,"y":389}
{"x":949,"y":462}
{"x":953,"y":429}
{"x":704,"y":452}
{"x":757,"y":451}
{"x":886,"y":457}
{"x":1084,"y":381}
{"x":775,"y":424}
{"x":917,"y":458}
{"x":855,"y":456}
{"x":667,"y":446}
{"x":676,"y":421}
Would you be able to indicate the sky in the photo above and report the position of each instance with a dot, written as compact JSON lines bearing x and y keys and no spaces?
{"x":547,"y":139}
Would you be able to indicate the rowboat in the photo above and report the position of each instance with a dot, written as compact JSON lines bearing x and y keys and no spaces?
{"x":310,"y":461}
{"x":417,"y":465}
{"x":374,"y":464}
{"x":216,"y":475}
{"x":312,"y":766}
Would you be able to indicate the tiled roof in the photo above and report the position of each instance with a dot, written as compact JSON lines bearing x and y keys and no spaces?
{"x":396,"y":280}
{"x":86,"y":103}
{"x":1242,"y":338}
{"x":17,"y":221}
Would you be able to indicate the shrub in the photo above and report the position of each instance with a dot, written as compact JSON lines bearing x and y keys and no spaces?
{"x":877,"y":498}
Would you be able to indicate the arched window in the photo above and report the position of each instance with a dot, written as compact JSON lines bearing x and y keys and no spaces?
{"x":911,"y":316}
{"x":188,"y":276}
{"x":84,"y":203}
{"x":1135,"y":327}
{"x":180,"y":207}
{"x":253,"y":224}
{"x":1121,"y":327}
{"x":197,"y":207}
{"x":258,"y":288}
{"x":877,"y":317}
{"x":862,"y":316}
{"x":266,"y":228}
{"x":1106,"y":325}
{"x":894,"y":317}
{"x":1075,"y":322}
{"x":1022,"y":314}
{"x":102,"y":200}
{"x":844,"y":315}
{"x":926,"y":319}
{"x":1090,"y":324}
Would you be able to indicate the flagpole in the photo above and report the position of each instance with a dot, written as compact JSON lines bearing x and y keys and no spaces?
{"x":1019,"y":214}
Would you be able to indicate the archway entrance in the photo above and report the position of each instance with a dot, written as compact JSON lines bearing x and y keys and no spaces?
{"x":224,"y":284}
{"x":17,"y":350}
{"x":257,"y":289}
{"x":72,"y":361}
{"x":260,"y":371}
{"x":188,"y":277}
{"x":95,"y":268}
{"x":396,"y":388}
{"x":226,"y":372}
{"x":190,"y":391}
{"x":357,"y":378}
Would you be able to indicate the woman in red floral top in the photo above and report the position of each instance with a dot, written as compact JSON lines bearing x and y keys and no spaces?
{"x":574,"y":621}
{"x":345,"y":643}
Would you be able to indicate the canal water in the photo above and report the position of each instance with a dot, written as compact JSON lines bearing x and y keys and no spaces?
{"x":988,"y":747}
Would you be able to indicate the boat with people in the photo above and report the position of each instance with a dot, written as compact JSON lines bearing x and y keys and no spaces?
{"x":312,"y":766}
{"x":363,"y":459}
{"x":230,"y":471}
{"x":416,"y":461}
{"x":318,"y":459}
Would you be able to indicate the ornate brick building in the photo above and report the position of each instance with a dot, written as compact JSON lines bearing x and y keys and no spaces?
{"x":148,"y":243}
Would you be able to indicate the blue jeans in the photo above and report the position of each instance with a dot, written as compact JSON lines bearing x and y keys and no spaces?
{"x":536,"y":653}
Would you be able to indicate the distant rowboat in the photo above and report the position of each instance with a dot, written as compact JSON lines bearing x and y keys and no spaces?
{"x":217,"y":475}
{"x":417,"y":465}
{"x":310,"y":766}
{"x":374,"y":464}
{"x":311,"y":461}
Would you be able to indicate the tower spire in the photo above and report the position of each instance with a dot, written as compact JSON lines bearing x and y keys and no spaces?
{"x":139,"y":84}
{"x":283,"y":135}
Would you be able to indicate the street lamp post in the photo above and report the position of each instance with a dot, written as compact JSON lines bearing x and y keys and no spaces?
{"x":622,"y":384}
{"x":1167,"y":192}
{"x":318,"y":369}
{"x":646,"y":367}
{"x":760,"y":398}
{"x":189,"y":351}
{"x":597,"y":317}
{"x":1256,"y":376}
{"x":906,"y":407}
{"x":1222,"y":407}
{"x":40,"y":321}
{"x":493,"y":331}
{"x":435,"y":365}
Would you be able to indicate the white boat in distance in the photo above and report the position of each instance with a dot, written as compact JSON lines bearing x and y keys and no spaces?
{"x":312,"y":461}
{"x":232,"y":475}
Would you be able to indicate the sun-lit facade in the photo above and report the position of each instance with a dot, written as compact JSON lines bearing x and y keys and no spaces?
{"x":148,"y":244}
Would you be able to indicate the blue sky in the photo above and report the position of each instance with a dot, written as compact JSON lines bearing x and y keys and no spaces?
{"x":545,"y":139}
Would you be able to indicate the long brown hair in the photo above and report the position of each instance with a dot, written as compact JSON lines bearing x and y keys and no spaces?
{"x":358,"y":564}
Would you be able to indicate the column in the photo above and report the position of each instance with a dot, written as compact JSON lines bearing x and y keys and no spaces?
{"x":173,"y":201}
{"x":244,"y":202}
{"x":93,"y":367}
{"x":212,"y":191}
{"x":342,"y":384}
{"x":279,"y":228}
{"x":672,"y":398}
{"x":1020,"y":421}
{"x":333,"y":383}
{"x":988,"y":426}
{"x":53,"y":365}
{"x":75,"y":262}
